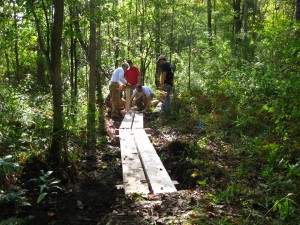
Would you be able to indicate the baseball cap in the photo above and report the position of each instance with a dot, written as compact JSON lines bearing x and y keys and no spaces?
{"x":160,"y":57}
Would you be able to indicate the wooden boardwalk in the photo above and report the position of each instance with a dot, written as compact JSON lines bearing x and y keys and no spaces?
{"x":143,"y":171}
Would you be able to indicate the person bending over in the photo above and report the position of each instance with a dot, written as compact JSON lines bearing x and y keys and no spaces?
{"x":143,"y":96}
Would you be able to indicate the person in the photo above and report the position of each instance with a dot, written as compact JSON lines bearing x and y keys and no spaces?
{"x":167,"y":80}
{"x":108,"y":99}
{"x":132,"y":75}
{"x":117,"y":78}
{"x":144,"y":96}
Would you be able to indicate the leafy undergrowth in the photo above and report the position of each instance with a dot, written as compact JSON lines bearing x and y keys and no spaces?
{"x":224,"y":178}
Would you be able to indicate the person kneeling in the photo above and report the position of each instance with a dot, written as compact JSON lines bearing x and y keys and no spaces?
{"x":143,"y":96}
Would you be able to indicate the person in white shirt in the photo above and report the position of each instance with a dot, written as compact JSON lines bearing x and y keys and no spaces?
{"x":143,"y":96}
{"x":117,"y":78}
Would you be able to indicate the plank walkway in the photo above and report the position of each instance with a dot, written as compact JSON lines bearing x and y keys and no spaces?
{"x":143,"y":171}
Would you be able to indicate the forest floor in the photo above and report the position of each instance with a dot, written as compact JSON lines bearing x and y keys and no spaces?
{"x":94,"y":199}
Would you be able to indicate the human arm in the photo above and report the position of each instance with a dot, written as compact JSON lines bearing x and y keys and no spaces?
{"x":163,"y":78}
{"x":132,"y":97}
{"x":121,"y":77}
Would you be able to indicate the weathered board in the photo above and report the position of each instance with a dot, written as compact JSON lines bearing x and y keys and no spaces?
{"x":128,"y":96}
{"x":134,"y":178}
{"x":138,"y":122}
{"x":127,"y":120}
{"x":158,"y":178}
{"x":133,"y":120}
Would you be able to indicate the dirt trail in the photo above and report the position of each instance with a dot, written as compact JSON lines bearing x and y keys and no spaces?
{"x":94,"y":198}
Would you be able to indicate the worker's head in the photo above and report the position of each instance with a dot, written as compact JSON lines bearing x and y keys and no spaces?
{"x":129,"y":61}
{"x":125,"y":66}
{"x":138,"y":87}
{"x":161,"y":59}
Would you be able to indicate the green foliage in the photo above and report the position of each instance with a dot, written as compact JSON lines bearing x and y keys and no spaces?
{"x":12,"y":201}
{"x":8,"y":166}
{"x":13,"y":220}
{"x":47,"y":185}
{"x":8,"y":169}
{"x":286,"y":208}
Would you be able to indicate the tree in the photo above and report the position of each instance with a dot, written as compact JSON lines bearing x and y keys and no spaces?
{"x":209,"y":24}
{"x":55,"y":153}
{"x":53,"y":57}
{"x":92,"y":79}
{"x":297,"y":11}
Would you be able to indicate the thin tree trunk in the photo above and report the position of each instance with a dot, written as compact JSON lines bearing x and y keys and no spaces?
{"x":215,"y":27}
{"x":100,"y":79}
{"x":55,"y":153}
{"x":92,"y":80}
{"x":209,"y":24}
{"x":41,"y":79}
{"x":157,"y":47}
{"x":297,"y":11}
{"x":245,"y":15}
{"x":142,"y":43}
{"x":237,"y":16}
{"x":189,"y":66}
{"x":16,"y":48}
{"x":117,"y":50}
{"x":7,"y":72}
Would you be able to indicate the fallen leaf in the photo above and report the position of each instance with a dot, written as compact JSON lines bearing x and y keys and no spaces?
{"x":79,"y":204}
{"x":50,"y":214}
{"x":193,"y":216}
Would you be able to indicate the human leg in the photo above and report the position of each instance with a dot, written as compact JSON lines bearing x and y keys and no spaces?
{"x":166,"y":104}
{"x":140,"y":103}
{"x":115,"y":96}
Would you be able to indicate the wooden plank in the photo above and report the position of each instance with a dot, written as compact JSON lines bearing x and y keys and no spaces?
{"x":158,"y":178}
{"x":128,"y":95}
{"x":138,"y":122}
{"x":127,"y":120}
{"x":133,"y":174}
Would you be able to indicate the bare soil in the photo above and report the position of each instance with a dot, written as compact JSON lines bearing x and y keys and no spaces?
{"x":93,"y":198}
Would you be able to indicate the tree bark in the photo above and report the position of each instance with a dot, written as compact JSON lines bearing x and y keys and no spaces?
{"x":16,"y":47}
{"x":297,"y":11}
{"x":245,"y":15}
{"x":40,"y":78}
{"x":209,"y":24}
{"x":92,"y":80}
{"x":237,"y":16}
{"x":157,"y":41}
{"x":55,"y":153}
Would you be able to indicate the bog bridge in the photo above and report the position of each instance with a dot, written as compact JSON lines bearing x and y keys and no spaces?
{"x":143,"y":171}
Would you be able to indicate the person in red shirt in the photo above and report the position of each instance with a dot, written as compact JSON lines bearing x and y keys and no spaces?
{"x":132,"y":75}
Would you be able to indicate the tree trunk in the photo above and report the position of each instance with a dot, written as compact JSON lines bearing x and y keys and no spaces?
{"x":237,"y":16}
{"x":100,"y":78}
{"x":142,"y":43}
{"x":7,"y":72}
{"x":40,"y":78}
{"x":91,"y":131}
{"x":209,"y":24}
{"x":16,"y":48}
{"x":215,"y":9}
{"x":189,"y":66}
{"x":245,"y":15}
{"x":297,"y":11}
{"x":157,"y":42}
{"x":55,"y":153}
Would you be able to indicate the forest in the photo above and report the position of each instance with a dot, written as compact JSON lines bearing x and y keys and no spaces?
{"x":231,"y":138}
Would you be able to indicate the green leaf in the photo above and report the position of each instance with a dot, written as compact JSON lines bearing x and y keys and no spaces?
{"x":41,"y":197}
